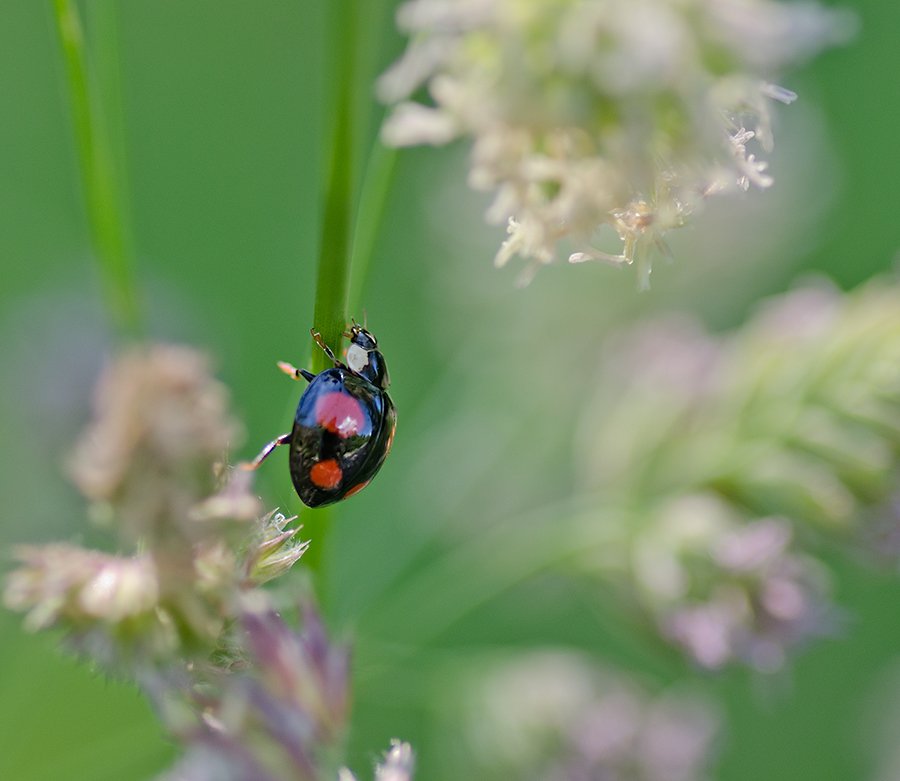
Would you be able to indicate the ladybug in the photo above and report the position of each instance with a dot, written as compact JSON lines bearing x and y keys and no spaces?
{"x":344,"y":425}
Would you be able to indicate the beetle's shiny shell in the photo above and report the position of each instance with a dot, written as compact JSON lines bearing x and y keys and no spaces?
{"x":342,"y":433}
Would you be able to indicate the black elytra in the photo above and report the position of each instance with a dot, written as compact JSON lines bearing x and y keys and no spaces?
{"x":344,"y":425}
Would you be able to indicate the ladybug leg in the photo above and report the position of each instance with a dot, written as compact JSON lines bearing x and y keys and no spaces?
{"x":294,"y":373}
{"x":317,"y":338}
{"x":284,"y":439}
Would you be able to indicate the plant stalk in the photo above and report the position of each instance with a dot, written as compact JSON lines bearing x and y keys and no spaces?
{"x":334,"y":264}
{"x":92,"y":79}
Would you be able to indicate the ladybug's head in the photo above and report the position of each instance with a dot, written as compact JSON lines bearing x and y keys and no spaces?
{"x":364,"y":359}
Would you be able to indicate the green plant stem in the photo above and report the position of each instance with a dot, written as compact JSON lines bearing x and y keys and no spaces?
{"x":333,"y":277}
{"x":95,"y":101}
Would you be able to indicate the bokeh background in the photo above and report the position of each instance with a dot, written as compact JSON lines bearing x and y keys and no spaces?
{"x":224,"y":103}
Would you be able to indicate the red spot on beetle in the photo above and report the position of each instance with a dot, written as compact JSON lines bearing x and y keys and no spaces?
{"x":326,"y":474}
{"x":340,"y":414}
{"x":356,"y":489}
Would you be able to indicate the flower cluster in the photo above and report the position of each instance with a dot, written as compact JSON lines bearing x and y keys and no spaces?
{"x":555,"y":715}
{"x":160,"y":425}
{"x":591,"y":113}
{"x":724,"y":463}
{"x":150,"y":464}
{"x":147,"y":465}
{"x":277,"y":710}
{"x":273,"y":712}
{"x":725,"y":590}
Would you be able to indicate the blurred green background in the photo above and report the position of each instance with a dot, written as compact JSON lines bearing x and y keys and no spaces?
{"x":225,"y":106}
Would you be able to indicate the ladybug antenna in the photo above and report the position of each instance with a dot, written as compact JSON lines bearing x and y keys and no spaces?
{"x":365,"y":319}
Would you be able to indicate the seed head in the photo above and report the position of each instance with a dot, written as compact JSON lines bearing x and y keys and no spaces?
{"x":726,"y":591}
{"x":593,"y":114}
{"x":557,"y":715}
{"x":724,"y":464}
{"x":65,"y":583}
{"x":160,"y":424}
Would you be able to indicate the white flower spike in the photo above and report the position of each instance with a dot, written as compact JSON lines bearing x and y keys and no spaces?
{"x":585,"y":114}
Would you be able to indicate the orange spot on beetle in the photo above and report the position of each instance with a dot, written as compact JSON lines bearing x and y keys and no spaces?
{"x":390,"y":440}
{"x":356,"y":489}
{"x":326,"y":474}
{"x":340,"y":414}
